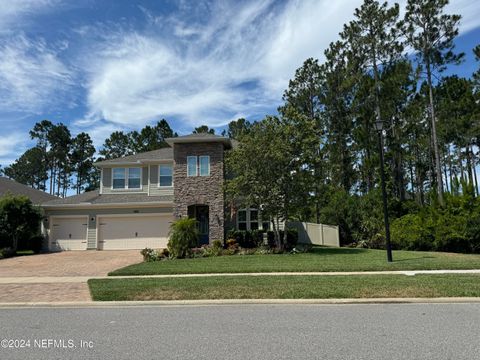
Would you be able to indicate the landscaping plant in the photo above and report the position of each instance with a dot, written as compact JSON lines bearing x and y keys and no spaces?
{"x":19,"y":222}
{"x":183,"y":237}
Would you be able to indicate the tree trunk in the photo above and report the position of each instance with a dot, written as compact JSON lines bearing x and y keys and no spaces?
{"x":460,"y":164}
{"x":438,"y":167}
{"x":412,"y":181}
{"x":276,"y":231}
{"x":445,"y":173}
{"x":474,"y":165}
{"x":449,"y":159}
{"x":51,"y":180}
{"x":469,"y":165}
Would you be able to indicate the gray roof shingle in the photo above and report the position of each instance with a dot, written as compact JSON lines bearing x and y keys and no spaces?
{"x":94,"y":198}
{"x":15,"y":188}
{"x":160,"y":154}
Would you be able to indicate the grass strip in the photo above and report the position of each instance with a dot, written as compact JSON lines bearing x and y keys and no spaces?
{"x":285,"y":287}
{"x":320,"y":259}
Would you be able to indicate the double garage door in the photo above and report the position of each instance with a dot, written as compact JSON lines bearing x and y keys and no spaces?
{"x":113,"y":232}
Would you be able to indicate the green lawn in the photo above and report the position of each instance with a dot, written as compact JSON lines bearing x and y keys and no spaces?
{"x":320,"y":259}
{"x":285,"y":287}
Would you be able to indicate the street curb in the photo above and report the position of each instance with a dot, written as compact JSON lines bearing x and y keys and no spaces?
{"x":120,"y":304}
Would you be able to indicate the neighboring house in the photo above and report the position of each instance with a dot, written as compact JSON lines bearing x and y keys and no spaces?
{"x":37,"y":197}
{"x":140,"y":195}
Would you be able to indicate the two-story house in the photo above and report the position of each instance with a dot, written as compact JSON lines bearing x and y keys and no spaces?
{"x":140,"y":195}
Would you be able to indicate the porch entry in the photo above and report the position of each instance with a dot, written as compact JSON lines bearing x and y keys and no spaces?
{"x":201,"y":214}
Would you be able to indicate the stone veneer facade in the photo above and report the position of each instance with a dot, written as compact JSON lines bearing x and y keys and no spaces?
{"x":200,"y":190}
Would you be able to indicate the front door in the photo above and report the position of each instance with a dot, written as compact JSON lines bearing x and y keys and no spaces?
{"x":201,"y":214}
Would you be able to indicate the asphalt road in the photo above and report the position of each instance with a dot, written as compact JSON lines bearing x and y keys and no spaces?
{"x":405,"y":331}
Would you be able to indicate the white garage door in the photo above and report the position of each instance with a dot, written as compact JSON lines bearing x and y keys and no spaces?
{"x":133,"y":232}
{"x":68,"y":233}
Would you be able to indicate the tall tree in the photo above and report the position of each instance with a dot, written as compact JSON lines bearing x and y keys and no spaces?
{"x":150,"y":137}
{"x":237,"y":128}
{"x":203,"y":129}
{"x":336,"y":98}
{"x":81,"y":159}
{"x":430,"y":33}
{"x":60,"y":141}
{"x":267,"y":174}
{"x":29,"y":169}
{"x":302,"y":110}
{"x":117,"y":145}
{"x":371,"y":42}
{"x":40,"y":132}
{"x":456,"y":105}
{"x":476,"y":75}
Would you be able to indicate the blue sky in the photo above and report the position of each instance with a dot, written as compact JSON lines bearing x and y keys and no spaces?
{"x":106,"y":65}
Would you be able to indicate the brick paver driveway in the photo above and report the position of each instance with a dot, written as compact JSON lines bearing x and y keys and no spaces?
{"x":67,"y":263}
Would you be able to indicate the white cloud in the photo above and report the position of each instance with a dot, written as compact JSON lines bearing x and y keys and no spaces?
{"x":195,"y":67}
{"x":32,"y":77}
{"x":11,"y":145}
{"x":12,"y":11}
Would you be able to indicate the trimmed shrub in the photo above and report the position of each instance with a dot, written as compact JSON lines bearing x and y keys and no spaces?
{"x":182,"y":238}
{"x":7,"y":252}
{"x":34,"y":244}
{"x":271,"y":239}
{"x":291,"y":238}
{"x":19,"y":221}
{"x":150,"y":255}
{"x":473,"y":232}
{"x":450,"y":233}
{"x":246,"y":238}
{"x":410,"y":232}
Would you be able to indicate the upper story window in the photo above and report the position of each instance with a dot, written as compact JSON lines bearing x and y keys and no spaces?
{"x":204,"y":162}
{"x":118,"y":178}
{"x":126,"y":178}
{"x":134,"y":178}
{"x":165,"y":175}
{"x":198,"y":165}
{"x":192,"y":166}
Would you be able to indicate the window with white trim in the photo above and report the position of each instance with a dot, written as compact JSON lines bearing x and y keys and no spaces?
{"x":250,"y":219}
{"x":204,"y":165}
{"x":126,"y":178}
{"x":242,"y":219}
{"x":192,"y":166}
{"x":118,"y":181}
{"x":253,"y":219}
{"x":134,"y":178}
{"x":165,"y":175}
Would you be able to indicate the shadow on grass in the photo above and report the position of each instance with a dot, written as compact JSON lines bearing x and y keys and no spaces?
{"x":416,"y":258}
{"x":320,"y":250}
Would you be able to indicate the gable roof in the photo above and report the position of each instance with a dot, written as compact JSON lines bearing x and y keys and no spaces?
{"x":167,"y":152}
{"x":15,"y":188}
{"x":145,"y":157}
{"x":96,"y":199}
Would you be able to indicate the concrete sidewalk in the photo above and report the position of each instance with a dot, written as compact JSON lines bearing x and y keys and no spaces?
{"x":84,"y":279}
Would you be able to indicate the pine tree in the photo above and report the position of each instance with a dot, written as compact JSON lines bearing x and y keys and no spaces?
{"x":81,"y":160}
{"x":430,"y":33}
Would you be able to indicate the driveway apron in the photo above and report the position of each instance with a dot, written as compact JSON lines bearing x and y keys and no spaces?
{"x":63,"y":264}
